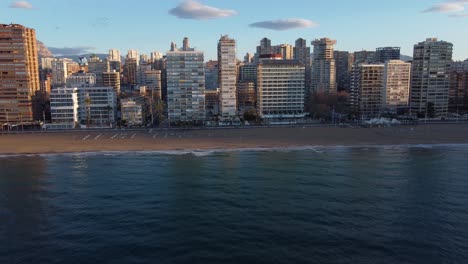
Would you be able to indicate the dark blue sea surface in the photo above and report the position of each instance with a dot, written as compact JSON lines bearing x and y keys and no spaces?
{"x":398,"y":204}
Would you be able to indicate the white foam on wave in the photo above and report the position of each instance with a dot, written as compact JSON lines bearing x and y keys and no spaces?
{"x":210,"y":152}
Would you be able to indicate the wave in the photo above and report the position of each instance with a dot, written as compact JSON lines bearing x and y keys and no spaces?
{"x":210,"y":152}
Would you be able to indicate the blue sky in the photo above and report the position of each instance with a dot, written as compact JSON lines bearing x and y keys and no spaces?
{"x":148,"y":25}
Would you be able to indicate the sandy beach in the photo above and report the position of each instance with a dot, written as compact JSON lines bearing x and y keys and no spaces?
{"x":160,"y":140}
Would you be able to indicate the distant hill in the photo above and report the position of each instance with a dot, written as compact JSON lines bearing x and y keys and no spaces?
{"x":43,"y":51}
{"x":406,"y":58}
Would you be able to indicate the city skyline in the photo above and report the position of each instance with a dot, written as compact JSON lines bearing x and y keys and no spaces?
{"x":86,"y":27}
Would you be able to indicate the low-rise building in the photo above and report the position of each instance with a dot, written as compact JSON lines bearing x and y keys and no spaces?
{"x":132,"y":110}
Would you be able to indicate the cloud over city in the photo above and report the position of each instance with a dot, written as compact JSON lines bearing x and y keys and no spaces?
{"x":191,"y":9}
{"x":71,"y":50}
{"x":455,"y":8}
{"x":285,"y":24}
{"x":21,"y":4}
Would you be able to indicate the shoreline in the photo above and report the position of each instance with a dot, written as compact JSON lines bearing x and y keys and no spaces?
{"x":228,"y":140}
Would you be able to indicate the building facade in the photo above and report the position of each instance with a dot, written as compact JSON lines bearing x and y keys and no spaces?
{"x":302,"y":54}
{"x":367,"y":86}
{"x":397,"y":79}
{"x":227,"y":77}
{"x":344,"y":65}
{"x":185,"y":85}
{"x":323,"y":66}
{"x":19,"y":73}
{"x":430,"y":80}
{"x":385,"y":54}
{"x":280,"y":89}
{"x":111,"y":79}
{"x":64,"y":108}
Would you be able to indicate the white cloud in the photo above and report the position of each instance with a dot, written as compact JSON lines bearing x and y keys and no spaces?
{"x":21,"y":4}
{"x":446,"y":8}
{"x":459,"y":15}
{"x":191,"y":9}
{"x":67,"y":51}
{"x":285,"y":24}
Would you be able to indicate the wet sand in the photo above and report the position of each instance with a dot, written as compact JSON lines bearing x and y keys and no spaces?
{"x":159,"y":140}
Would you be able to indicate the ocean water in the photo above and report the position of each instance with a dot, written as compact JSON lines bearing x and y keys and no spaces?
{"x":400,"y":204}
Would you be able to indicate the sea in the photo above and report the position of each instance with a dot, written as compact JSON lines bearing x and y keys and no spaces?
{"x":367,"y":204}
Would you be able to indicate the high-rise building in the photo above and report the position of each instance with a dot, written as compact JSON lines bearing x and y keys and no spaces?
{"x":115,"y":60}
{"x":264,"y":48}
{"x":152,"y":80}
{"x":323,"y":66}
{"x":385,"y":54}
{"x":458,"y":92}
{"x":280,"y":89}
{"x":130,"y":71}
{"x":133,"y":54}
{"x":60,"y":71}
{"x":364,"y":56}
{"x":19,"y":74}
{"x":246,"y":96}
{"x":344,"y":64}
{"x":155,"y":56}
{"x":248,"y":58}
{"x":227,"y":77}
{"x":98,"y":66}
{"x":429,"y":95}
{"x":211,"y":75}
{"x":114,"y":55}
{"x":367,"y":86}
{"x":111,"y":79}
{"x":185,"y":85}
{"x":302,"y":54}
{"x":286,"y":51}
{"x":397,"y":78}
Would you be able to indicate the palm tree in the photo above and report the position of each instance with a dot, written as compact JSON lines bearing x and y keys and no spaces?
{"x":109,"y":110}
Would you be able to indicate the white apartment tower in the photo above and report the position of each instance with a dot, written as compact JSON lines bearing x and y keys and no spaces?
{"x":185,"y":85}
{"x":430,"y":77}
{"x":227,"y":76}
{"x":280,"y":89}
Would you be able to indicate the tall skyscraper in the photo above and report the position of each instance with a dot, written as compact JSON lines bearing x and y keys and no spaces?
{"x":286,"y":51}
{"x":364,"y":56}
{"x":211,"y":75}
{"x":133,"y":54}
{"x":114,"y":55}
{"x":130,"y":71}
{"x":111,"y":79}
{"x":344,"y":64}
{"x":430,"y":78}
{"x":227,"y":77}
{"x":458,"y":92}
{"x":367,"y":85}
{"x":185,"y":85}
{"x":323,"y":66}
{"x":385,"y":54}
{"x":302,"y":54}
{"x":98,"y":66}
{"x":19,"y":73}
{"x":281,"y":86}
{"x":397,"y":79}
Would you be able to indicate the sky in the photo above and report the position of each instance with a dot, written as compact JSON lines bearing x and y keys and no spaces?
{"x":95,"y":26}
